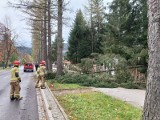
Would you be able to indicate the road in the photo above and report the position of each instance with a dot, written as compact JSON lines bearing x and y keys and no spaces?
{"x":27,"y":108}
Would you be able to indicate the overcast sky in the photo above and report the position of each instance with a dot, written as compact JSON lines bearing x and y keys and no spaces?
{"x":19,"y":24}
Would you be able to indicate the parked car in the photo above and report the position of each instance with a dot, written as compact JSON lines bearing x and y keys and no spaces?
{"x":28,"y":67}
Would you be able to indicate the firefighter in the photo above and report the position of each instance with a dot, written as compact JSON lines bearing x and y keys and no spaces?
{"x":14,"y":82}
{"x":41,"y":74}
{"x":36,"y":66}
{"x":38,"y":77}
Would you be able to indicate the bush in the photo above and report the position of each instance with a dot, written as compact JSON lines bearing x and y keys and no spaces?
{"x":123,"y":80}
{"x":50,"y":75}
{"x":72,"y":78}
{"x":123,"y":76}
{"x":129,"y":85}
{"x":74,"y":68}
{"x":142,"y":70}
{"x":86,"y":65}
{"x":85,"y":80}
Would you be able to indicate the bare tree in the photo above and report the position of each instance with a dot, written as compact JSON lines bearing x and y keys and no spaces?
{"x":9,"y":41}
{"x":152,"y":99}
{"x":89,"y":10}
{"x":95,"y":10}
{"x":39,"y":12}
{"x":48,"y":10}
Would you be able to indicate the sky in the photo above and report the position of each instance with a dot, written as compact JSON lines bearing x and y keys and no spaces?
{"x":19,"y":24}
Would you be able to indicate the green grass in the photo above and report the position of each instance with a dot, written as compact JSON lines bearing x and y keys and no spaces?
{"x":1,"y":68}
{"x":97,"y":106}
{"x":58,"y":86}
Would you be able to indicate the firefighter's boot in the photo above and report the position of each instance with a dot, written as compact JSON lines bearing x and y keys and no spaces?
{"x":12,"y":97}
{"x":19,"y":98}
{"x":36,"y":86}
{"x":43,"y":87}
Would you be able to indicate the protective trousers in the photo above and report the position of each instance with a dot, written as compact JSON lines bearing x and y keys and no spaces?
{"x":15,"y":90}
{"x":37,"y":81}
{"x":43,"y":81}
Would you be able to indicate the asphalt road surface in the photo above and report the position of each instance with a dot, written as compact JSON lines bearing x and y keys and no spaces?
{"x":132,"y":96}
{"x":25,"y":109}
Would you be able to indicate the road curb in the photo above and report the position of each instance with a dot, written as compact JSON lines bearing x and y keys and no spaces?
{"x":48,"y":111}
{"x":47,"y":106}
{"x":64,"y":114}
{"x":41,"y":106}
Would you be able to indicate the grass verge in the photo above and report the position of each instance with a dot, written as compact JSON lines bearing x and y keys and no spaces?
{"x":4,"y":68}
{"x":97,"y":106}
{"x":59,"y":86}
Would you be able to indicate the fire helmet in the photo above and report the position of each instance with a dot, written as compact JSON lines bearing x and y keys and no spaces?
{"x":16,"y":62}
{"x":42,"y":62}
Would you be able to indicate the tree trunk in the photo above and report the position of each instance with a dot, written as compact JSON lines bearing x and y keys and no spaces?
{"x":152,"y":99}
{"x":41,"y":43}
{"x":44,"y":42}
{"x":92,"y":28}
{"x":59,"y":40}
{"x":49,"y":37}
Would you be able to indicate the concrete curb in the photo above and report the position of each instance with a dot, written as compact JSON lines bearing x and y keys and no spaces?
{"x":49,"y":113}
{"x":64,"y":114}
{"x":41,"y":106}
{"x":47,"y":106}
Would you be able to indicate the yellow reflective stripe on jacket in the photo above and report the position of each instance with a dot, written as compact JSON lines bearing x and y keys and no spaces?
{"x":14,"y":80}
{"x":13,"y":71}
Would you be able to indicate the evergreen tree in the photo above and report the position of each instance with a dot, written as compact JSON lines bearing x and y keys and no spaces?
{"x":79,"y":42}
{"x":127,"y":30}
{"x":54,"y":49}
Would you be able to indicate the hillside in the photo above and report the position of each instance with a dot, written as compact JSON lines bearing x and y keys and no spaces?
{"x":24,"y":50}
{"x":28,"y":50}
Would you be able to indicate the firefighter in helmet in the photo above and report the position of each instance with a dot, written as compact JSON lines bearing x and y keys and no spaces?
{"x":41,"y":74}
{"x":14,"y":82}
{"x":38,"y":77}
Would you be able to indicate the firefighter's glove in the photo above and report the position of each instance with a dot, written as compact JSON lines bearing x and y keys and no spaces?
{"x":19,"y":79}
{"x":16,"y":74}
{"x":45,"y":75}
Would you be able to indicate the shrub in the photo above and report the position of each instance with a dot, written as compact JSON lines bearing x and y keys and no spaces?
{"x":123,"y":80}
{"x":50,"y":75}
{"x":123,"y":76}
{"x":74,"y":68}
{"x":85,"y":80}
{"x":129,"y":85}
{"x":142,"y":70}
{"x":86,"y":65}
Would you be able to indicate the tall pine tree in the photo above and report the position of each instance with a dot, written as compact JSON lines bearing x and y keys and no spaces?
{"x":79,"y":41}
{"x":127,"y":30}
{"x":96,"y":11}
